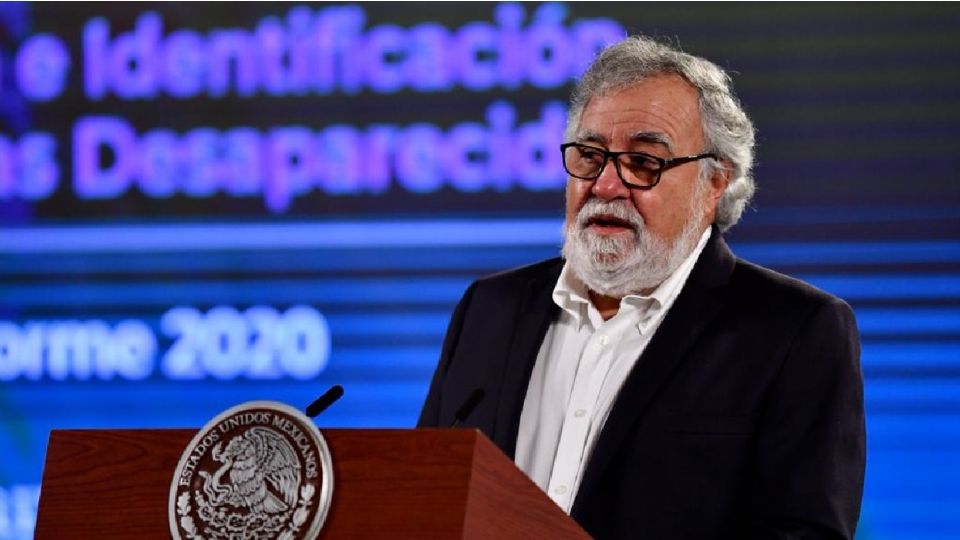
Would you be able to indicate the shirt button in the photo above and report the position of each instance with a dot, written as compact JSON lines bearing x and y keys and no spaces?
{"x":603,"y":341}
{"x":579,"y":413}
{"x":560,"y":490}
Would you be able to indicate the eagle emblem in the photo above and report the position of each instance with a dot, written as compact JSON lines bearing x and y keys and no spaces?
{"x":254,"y":472}
{"x":263,"y":470}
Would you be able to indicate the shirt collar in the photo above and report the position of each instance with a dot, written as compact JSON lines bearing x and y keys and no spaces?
{"x":571,"y":294}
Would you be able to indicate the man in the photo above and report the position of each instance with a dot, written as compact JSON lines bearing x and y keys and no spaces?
{"x":654,"y":385}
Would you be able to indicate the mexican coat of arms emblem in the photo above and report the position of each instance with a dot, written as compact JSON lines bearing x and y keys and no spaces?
{"x":260,"y":470}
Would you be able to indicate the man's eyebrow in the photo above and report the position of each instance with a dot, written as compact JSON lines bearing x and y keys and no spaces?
{"x":649,"y":137}
{"x":592,"y":137}
{"x":652,"y":137}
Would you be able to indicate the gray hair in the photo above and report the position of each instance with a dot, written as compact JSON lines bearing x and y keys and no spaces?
{"x":726,"y":127}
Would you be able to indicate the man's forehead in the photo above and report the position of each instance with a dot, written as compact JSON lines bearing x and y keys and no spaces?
{"x":654,"y":110}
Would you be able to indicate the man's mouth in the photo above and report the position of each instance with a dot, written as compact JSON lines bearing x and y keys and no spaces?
{"x":608,"y":224}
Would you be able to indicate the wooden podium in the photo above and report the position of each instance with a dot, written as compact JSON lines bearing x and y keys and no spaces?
{"x":425,"y":483}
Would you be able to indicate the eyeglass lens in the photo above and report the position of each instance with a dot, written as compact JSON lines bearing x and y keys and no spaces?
{"x":587,"y":162}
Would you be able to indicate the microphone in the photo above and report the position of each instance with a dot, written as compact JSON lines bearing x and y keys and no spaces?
{"x":321,"y":403}
{"x":468,"y":406}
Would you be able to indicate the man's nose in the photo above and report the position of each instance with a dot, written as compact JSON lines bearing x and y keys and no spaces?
{"x":608,"y":185}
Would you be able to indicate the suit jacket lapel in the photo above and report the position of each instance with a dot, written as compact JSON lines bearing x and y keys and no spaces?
{"x":694,"y":308}
{"x":535,"y":313}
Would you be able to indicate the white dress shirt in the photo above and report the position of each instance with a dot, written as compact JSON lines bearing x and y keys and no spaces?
{"x":582,"y":363}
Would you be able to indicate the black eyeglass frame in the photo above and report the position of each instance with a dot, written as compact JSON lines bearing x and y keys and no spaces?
{"x":665,"y":163}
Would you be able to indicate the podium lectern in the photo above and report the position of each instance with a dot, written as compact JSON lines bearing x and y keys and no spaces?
{"x":424,"y":483}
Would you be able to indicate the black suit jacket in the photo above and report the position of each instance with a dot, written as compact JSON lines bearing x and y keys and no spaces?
{"x":743,"y":418}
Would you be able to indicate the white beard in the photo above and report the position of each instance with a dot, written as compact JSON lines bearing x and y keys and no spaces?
{"x":621,"y":264}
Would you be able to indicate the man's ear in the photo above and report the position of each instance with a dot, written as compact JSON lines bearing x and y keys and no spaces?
{"x":719,"y":180}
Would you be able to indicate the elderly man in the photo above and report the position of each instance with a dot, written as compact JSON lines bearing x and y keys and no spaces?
{"x":651,"y":383}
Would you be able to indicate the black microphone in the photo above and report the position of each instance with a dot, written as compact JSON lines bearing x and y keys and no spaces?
{"x":468,"y":406}
{"x":321,"y":403}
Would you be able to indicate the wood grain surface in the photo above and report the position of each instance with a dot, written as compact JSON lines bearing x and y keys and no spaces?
{"x":428,"y":483}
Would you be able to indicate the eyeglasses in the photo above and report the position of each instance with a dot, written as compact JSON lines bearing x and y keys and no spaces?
{"x":636,"y":169}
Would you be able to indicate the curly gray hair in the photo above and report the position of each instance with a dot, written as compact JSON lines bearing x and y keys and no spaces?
{"x":726,"y":127}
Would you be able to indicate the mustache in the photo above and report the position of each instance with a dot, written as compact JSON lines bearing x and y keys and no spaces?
{"x":619,"y":212}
